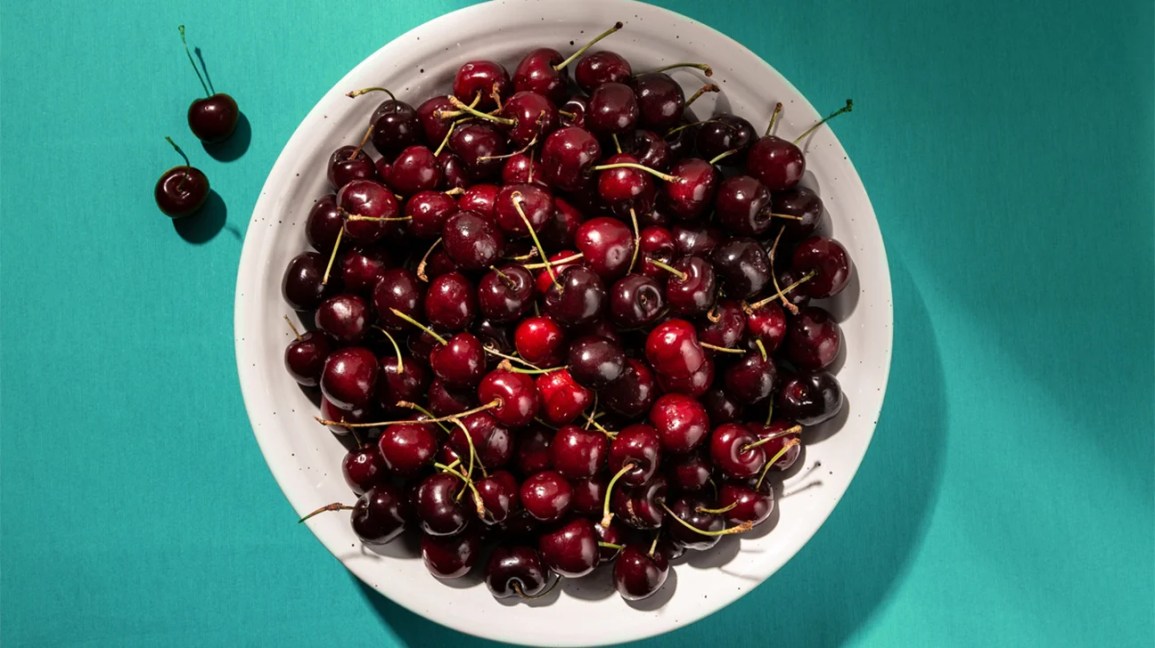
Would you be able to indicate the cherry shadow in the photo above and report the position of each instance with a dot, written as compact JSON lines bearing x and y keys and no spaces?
{"x":236,"y":145}
{"x":203,"y":226}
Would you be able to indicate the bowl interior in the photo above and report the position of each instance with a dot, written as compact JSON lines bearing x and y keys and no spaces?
{"x":305,"y":458}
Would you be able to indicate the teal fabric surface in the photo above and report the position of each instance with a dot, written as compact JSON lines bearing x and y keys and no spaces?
{"x":1007,"y":499}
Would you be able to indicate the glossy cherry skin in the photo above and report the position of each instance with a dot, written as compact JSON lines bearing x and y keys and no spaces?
{"x":829,"y":262}
{"x":700,"y":240}
{"x":637,"y":574}
{"x":492,"y":442}
{"x":576,"y":107}
{"x":626,"y":188}
{"x":744,"y":206}
{"x":776,"y":162}
{"x":499,"y":496}
{"x":720,"y":407}
{"x":451,"y":557}
{"x":414,"y":169}
{"x":637,"y":444}
{"x":534,"y":116}
{"x":460,"y":362}
{"x":751,"y":504}
{"x":809,"y":398}
{"x":633,"y":393}
{"x":481,"y":79}
{"x":779,"y":438}
{"x":801,"y":202}
{"x":370,"y":199}
{"x":788,"y":278}
{"x":516,"y":393}
{"x":522,"y":168}
{"x":454,"y":174}
{"x":694,"y":383}
{"x":473,"y":242}
{"x":305,"y":357}
{"x":579,"y":297}
{"x":537,"y":72}
{"x":546,"y":496}
{"x":570,"y":548}
{"x":562,"y":398}
{"x":345,"y":317}
{"x":742,"y":267}
{"x":446,"y":399}
{"x":181,"y":191}
{"x":722,"y":133}
{"x":429,"y":116}
{"x":505,"y":294}
{"x":693,"y":293}
{"x":536,"y":203}
{"x":680,"y":421}
{"x":397,"y":288}
{"x":540,"y":340}
{"x":361,"y":269}
{"x":606,"y":244}
{"x":597,"y":68}
{"x":640,"y":507}
{"x":692,"y":193}
{"x":428,"y":211}
{"x":768,"y":324}
{"x":349,"y":163}
{"x":213,"y":119}
{"x":437,"y":507}
{"x":650,"y":149}
{"x":533,"y":450}
{"x":596,"y":362}
{"x":481,"y":199}
{"x":688,"y":510}
{"x":655,"y":242}
{"x":362,"y":468}
{"x":395,"y":126}
{"x":349,"y":377}
{"x":567,"y":157}
{"x":560,"y":261}
{"x":451,"y":302}
{"x":516,"y":571}
{"x":813,"y":339}
{"x":480,"y":148}
{"x":636,"y":301}
{"x":407,"y":381}
{"x":688,"y":473}
{"x":408,"y":448}
{"x":578,"y":453}
{"x":725,"y":325}
{"x":660,"y":101}
{"x":729,"y":452}
{"x":331,"y":412}
{"x":751,"y":378}
{"x":380,"y":514}
{"x":324,"y":223}
{"x":672,"y":347}
{"x":613,"y":109}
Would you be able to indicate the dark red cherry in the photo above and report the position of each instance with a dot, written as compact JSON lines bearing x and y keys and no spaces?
{"x":800,"y":202}
{"x":695,"y":383}
{"x":480,"y":148}
{"x":505,"y":293}
{"x":522,"y":168}
{"x":429,"y":116}
{"x":516,"y":571}
{"x":723,"y":133}
{"x":780,"y":433}
{"x":788,"y":278}
{"x":532,"y":454}
{"x":694,"y":290}
{"x":689,"y":510}
{"x":380,"y":514}
{"x":655,"y":243}
{"x":331,"y":412}
{"x":454,"y":174}
{"x":750,"y":378}
{"x":589,"y":495}
{"x":688,"y":473}
{"x":446,"y":399}
{"x":637,"y":444}
{"x":813,"y":339}
{"x":776,"y":162}
{"x":534,"y":117}
{"x":538,"y":72}
{"x":451,"y":302}
{"x":405,"y":381}
{"x":562,"y":398}
{"x":730,"y":451}
{"x":534,"y":202}
{"x":546,"y":496}
{"x":453,"y":556}
{"x":633,"y":393}
{"x":181,"y":191}
{"x":368,"y":199}
{"x":324,"y":223}
{"x":725,"y":325}
{"x":408,"y":448}
{"x":568,"y":156}
{"x":672,"y":348}
{"x":570,"y":548}
{"x":516,"y":394}
{"x":613,"y":534}
{"x":680,"y":422}
{"x":809,"y":398}
{"x":692,"y":193}
{"x":539,"y":340}
{"x":751,"y":504}
{"x":650,"y":149}
{"x":437,"y":507}
{"x":471,"y":241}
{"x":720,"y":406}
{"x":213,"y":119}
{"x":305,"y":357}
{"x":460,"y":362}
{"x":399,"y":289}
{"x":597,"y":68}
{"x":696,"y":239}
{"x":559,"y":262}
{"x":492,"y":441}
{"x":636,"y":301}
{"x":596,"y":362}
{"x":345,"y":317}
{"x":395,"y":126}
{"x":362,"y":468}
{"x":641,"y":507}
{"x":415,"y":169}
{"x":573,"y":111}
{"x":350,"y":163}
{"x":613,"y":109}
{"x":361,"y":269}
{"x":829,"y":262}
{"x":626,"y":188}
{"x":428,"y":211}
{"x":660,"y":101}
{"x":607,"y":246}
{"x":482,"y":79}
{"x":481,"y":199}
{"x":578,"y":297}
{"x":499,"y":496}
{"x":742,"y":267}
{"x":578,"y":453}
{"x":743,"y":206}
{"x":768,"y":324}
{"x":349,"y":376}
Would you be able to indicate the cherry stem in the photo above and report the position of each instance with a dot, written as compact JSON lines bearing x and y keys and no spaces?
{"x":783,"y":291}
{"x":845,"y":109}
{"x":505,"y":364}
{"x":396,"y":348}
{"x":610,"y":545}
{"x":770,"y":412}
{"x":796,"y":429}
{"x":637,"y":236}
{"x":709,"y":87}
{"x":445,"y":140}
{"x":723,"y":155}
{"x":293,"y":327}
{"x":419,"y":325}
{"x":677,"y":129}
{"x":442,"y":425}
{"x":714,"y":347}
{"x":184,"y":42}
{"x":670,"y":269}
{"x":335,"y":506}
{"x":718,"y":511}
{"x":179,"y":151}
{"x":333,"y":255}
{"x":560,"y":66}
{"x":377,"y":219}
{"x":741,"y":528}
{"x":406,"y":404}
{"x":567,"y":114}
{"x":592,"y":420}
{"x":516,"y":198}
{"x":506,"y":156}
{"x":654,"y":544}
{"x":641,"y":167}
{"x":466,"y":108}
{"x":607,"y":515}
{"x":617,"y":144}
{"x":774,"y":117}
{"x":706,"y":69}
{"x":473,"y":461}
{"x":773,"y":460}
{"x":789,"y":216}
{"x":456,"y":191}
{"x":468,"y":484}
{"x":547,"y":264}
{"x":357,"y":93}
{"x":761,"y":347}
{"x":361,"y":145}
{"x":425,"y":260}
{"x":713,"y":314}
{"x":494,"y":352}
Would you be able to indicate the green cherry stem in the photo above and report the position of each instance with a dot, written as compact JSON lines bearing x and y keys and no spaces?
{"x":773,"y":460}
{"x":184,"y":42}
{"x":573,"y":57}
{"x":741,"y":528}
{"x":845,"y":109}
{"x":335,"y":506}
{"x":634,"y":165}
{"x":607,"y":514}
{"x":419,"y":325}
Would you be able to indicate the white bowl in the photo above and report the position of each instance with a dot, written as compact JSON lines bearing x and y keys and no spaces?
{"x":305,"y":459}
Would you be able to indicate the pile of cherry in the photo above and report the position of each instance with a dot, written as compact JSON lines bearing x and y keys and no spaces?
{"x":563,"y":324}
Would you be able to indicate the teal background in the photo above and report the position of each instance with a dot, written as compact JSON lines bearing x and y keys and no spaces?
{"x":1007,"y":498}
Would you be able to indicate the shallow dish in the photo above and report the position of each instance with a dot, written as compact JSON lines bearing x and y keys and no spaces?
{"x":305,"y":458}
